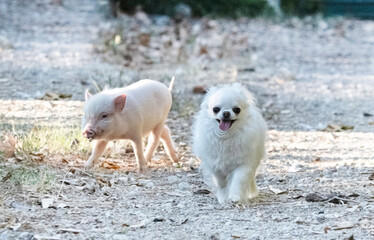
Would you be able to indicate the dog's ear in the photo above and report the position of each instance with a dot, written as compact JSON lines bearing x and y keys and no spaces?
{"x":243,"y":91}
{"x":209,"y":93}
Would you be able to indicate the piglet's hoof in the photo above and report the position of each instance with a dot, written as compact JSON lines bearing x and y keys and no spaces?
{"x":143,"y":169}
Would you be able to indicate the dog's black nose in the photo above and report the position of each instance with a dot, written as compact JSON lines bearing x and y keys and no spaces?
{"x":226,"y":114}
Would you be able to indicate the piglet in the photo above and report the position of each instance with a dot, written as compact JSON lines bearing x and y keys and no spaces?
{"x":129,"y":113}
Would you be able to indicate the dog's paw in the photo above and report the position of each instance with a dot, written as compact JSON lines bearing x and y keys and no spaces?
{"x":253,"y":194}
{"x":221,"y":196}
{"x":234,"y":198}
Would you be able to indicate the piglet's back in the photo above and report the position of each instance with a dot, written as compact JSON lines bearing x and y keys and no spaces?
{"x":150,"y":94}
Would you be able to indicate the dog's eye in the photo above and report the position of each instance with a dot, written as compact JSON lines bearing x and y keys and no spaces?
{"x":216,"y":109}
{"x":236,"y":110}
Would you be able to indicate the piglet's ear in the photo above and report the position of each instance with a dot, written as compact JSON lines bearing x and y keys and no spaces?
{"x":119,"y":102}
{"x":87,"y":95}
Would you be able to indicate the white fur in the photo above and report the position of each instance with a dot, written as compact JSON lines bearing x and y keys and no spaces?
{"x":230,"y":158}
{"x":146,"y":107}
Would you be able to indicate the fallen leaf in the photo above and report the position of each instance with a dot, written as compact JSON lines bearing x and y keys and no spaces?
{"x":318,"y":159}
{"x":142,"y":224}
{"x":371,"y":176}
{"x":327,"y":229}
{"x":159,"y":220}
{"x":8,"y":144}
{"x":199,"y":89}
{"x":248,"y":69}
{"x":202,"y":191}
{"x":67,"y":230}
{"x":37,"y":156}
{"x":7,"y":176}
{"x":350,"y":238}
{"x":296,"y":196}
{"x":49,"y":96}
{"x":276,"y":191}
{"x":337,"y":128}
{"x":343,"y":225}
{"x":110,"y":165}
{"x":16,"y":226}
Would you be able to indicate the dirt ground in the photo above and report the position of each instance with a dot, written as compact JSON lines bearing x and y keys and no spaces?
{"x":314,"y":81}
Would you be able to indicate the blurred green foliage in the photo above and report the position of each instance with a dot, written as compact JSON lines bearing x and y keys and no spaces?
{"x":217,"y":8}
{"x":301,"y":7}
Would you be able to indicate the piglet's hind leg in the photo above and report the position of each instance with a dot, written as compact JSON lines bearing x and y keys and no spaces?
{"x":168,"y":144}
{"x":153,"y":140}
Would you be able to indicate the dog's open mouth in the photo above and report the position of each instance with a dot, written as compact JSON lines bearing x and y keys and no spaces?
{"x":224,"y":125}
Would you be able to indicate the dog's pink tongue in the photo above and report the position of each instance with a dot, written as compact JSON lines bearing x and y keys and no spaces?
{"x":224,"y":125}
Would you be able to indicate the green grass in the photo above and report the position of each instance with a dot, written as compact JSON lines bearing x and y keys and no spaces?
{"x":51,"y":140}
{"x":33,"y":179}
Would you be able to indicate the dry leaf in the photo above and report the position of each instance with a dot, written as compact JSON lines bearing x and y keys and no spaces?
{"x":276,"y":191}
{"x":371,"y":176}
{"x":8,"y":145}
{"x":343,"y":225}
{"x":142,"y":224}
{"x":66,"y":230}
{"x":337,"y":128}
{"x":327,"y":229}
{"x":110,"y":165}
{"x":199,"y":89}
{"x":202,"y":191}
{"x":55,"y":96}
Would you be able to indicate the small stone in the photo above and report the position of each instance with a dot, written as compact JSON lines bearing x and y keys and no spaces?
{"x":184,"y":186}
{"x":143,"y":182}
{"x":173,"y":179}
{"x":182,"y":144}
{"x":123,"y":180}
{"x":26,"y":235}
{"x":314,"y":197}
{"x":47,"y":202}
{"x":299,"y":220}
{"x":150,"y":185}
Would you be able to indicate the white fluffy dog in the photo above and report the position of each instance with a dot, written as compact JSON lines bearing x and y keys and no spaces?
{"x":229,"y":137}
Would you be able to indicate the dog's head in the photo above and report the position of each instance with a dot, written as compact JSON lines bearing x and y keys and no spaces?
{"x":228,"y":105}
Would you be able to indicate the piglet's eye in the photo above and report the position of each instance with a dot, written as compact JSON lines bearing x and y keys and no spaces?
{"x":216,"y":109}
{"x":104,"y":116}
{"x":236,"y":110}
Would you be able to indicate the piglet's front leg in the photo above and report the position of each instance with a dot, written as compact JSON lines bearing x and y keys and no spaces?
{"x":137,"y":145}
{"x":97,"y":150}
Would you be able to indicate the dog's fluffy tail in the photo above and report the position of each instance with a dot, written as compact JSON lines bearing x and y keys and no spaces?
{"x":171,"y":85}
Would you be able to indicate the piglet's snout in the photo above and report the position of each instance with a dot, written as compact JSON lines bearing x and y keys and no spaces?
{"x":88,"y":133}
